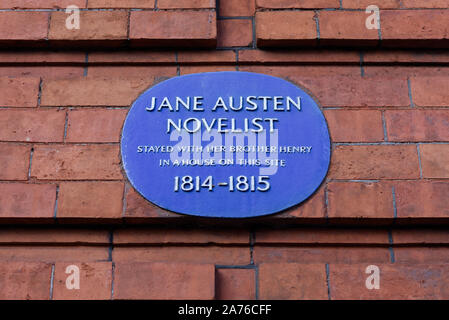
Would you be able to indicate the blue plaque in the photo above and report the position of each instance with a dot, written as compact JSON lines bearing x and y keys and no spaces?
{"x":225,"y":144}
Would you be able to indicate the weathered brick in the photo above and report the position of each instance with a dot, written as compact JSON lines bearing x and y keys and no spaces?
{"x":321,"y":236}
{"x":234,"y":33}
{"x":41,"y":4}
{"x":95,"y":281}
{"x":90,"y":200}
{"x":237,"y":8}
{"x":14,"y":161}
{"x":20,"y":200}
{"x":94,"y":25}
{"x":186,"y":4}
{"x":405,"y":72}
{"x":312,"y":208}
{"x":51,"y":253}
{"x":92,"y":92}
{"x":434,"y":160}
{"x":338,"y":91}
{"x":421,"y":236}
{"x":363,"y":4}
{"x":207,"y":57}
{"x":23,"y":26}
{"x":355,"y":126}
{"x":25,"y":281}
{"x":430,"y":91}
{"x":76,"y":162}
{"x":297,"y":4}
{"x":132,"y":72}
{"x":346,"y":27}
{"x":405,"y":56}
{"x":290,"y":281}
{"x":422,"y":199}
{"x":21,"y":92}
{"x":288,"y":72}
{"x":53,"y":236}
{"x":131,"y":57}
{"x":226,"y":255}
{"x":417,"y":125}
{"x":398,"y":281}
{"x":285,"y":28}
{"x":235,"y":284}
{"x":360,"y":200}
{"x":314,"y":254}
{"x":164,"y":281}
{"x":296,"y":56}
{"x":32,"y":126}
{"x":180,"y":28}
{"x":42,"y":57}
{"x":440,"y":4}
{"x":416,"y":255}
{"x":374,"y":162}
{"x":198,"y":69}
{"x":181,"y":236}
{"x":412,"y":26}
{"x":46,"y":72}
{"x":144,"y":4}
{"x":95,"y":125}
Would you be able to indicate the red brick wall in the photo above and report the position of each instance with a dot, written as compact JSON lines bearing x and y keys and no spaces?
{"x":64,"y":200}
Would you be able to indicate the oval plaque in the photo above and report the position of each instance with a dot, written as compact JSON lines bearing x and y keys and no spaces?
{"x":225,"y":144}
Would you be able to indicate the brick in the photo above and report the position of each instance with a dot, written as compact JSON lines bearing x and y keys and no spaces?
{"x":290,"y":281}
{"x":237,"y":8}
{"x":14,"y":161}
{"x":41,"y":4}
{"x":321,"y":236}
{"x":25,"y":26}
{"x":374,"y":162}
{"x":207,"y":57}
{"x":411,"y":26}
{"x":363,"y":4}
{"x":180,"y":28}
{"x":422,"y":199}
{"x":144,"y":4}
{"x":417,"y":255}
{"x":302,"y":56}
{"x":131,"y":57}
{"x":430,"y":91}
{"x":132,"y":71}
{"x":164,"y":281}
{"x":417,"y":125}
{"x":297,"y":4}
{"x":314,"y":254}
{"x":90,"y":200}
{"x":102,"y":92}
{"x":420,"y":236}
{"x":95,"y":281}
{"x":51,"y":253}
{"x":184,"y":254}
{"x":235,"y":284}
{"x":76,"y":162}
{"x":38,"y":235}
{"x":186,"y":4}
{"x":349,"y":91}
{"x":47,"y":72}
{"x":398,"y":281}
{"x":95,"y":125}
{"x":346,"y":27}
{"x":288,"y":72}
{"x":405,"y":72}
{"x":355,"y":126}
{"x":434,"y":160}
{"x":181,"y":236}
{"x":25,"y":281}
{"x":32,"y":126}
{"x":234,"y":33}
{"x":360,"y":200}
{"x":42,"y":57}
{"x":286,"y":28}
{"x":198,"y":69}
{"x":434,"y":4}
{"x":21,"y":92}
{"x":312,"y":208}
{"x":405,"y":56}
{"x":20,"y":200}
{"x":94,"y":25}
